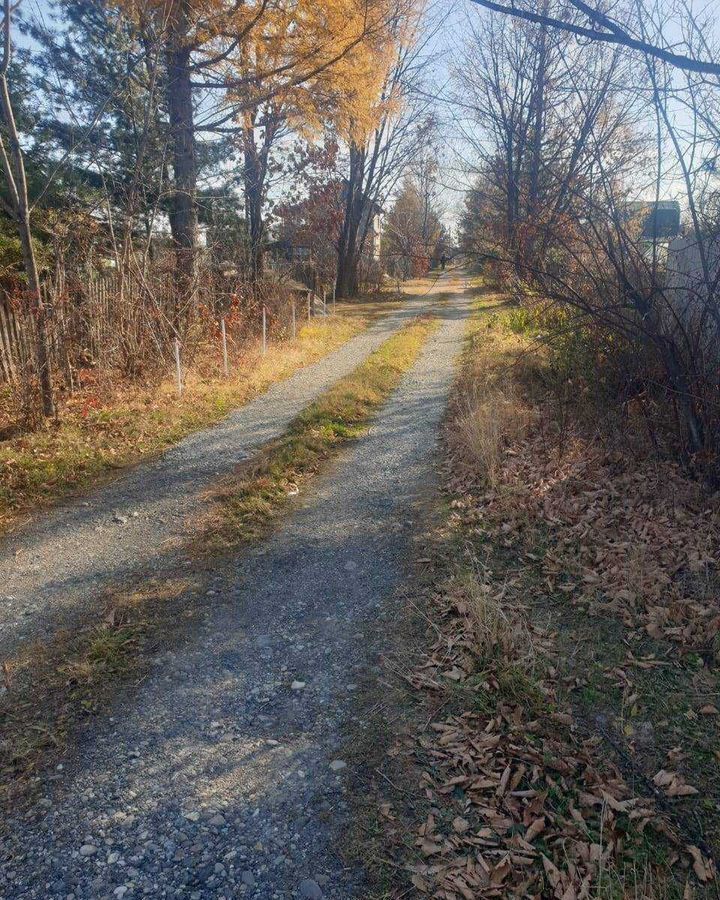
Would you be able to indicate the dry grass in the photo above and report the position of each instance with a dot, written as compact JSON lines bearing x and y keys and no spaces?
{"x":500,"y":631}
{"x":103,"y":431}
{"x":524,"y":685}
{"x":491,"y":406}
{"x":490,"y":420}
{"x":52,"y":688}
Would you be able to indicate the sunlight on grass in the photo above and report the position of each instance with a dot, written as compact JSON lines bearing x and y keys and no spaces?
{"x":248,"y":502}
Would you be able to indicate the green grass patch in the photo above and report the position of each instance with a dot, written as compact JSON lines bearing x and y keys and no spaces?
{"x":248,"y":502}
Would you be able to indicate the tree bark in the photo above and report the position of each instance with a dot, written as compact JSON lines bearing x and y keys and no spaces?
{"x":538,"y":117}
{"x":39,"y":308}
{"x":254,"y":188}
{"x":350,"y":245}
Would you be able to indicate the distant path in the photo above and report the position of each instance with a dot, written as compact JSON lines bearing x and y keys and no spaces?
{"x":229,"y":774}
{"x":50,"y":569}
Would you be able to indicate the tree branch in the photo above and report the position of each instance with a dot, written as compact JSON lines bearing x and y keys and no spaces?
{"x":613,"y":35}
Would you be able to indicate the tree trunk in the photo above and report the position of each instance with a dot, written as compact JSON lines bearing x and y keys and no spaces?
{"x":183,"y":210}
{"x":254,"y":186}
{"x":350,"y":246}
{"x":537,"y":143}
{"x":42,"y":348}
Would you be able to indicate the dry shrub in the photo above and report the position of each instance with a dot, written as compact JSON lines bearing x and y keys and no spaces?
{"x":491,"y":409}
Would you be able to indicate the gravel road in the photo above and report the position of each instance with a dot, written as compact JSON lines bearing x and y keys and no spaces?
{"x":228,"y":774}
{"x":51,"y":570}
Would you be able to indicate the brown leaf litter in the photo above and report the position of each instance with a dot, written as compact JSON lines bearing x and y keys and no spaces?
{"x":522,"y":802}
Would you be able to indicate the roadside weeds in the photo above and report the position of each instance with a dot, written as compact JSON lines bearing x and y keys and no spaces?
{"x":101,"y":433}
{"x":248,"y":502}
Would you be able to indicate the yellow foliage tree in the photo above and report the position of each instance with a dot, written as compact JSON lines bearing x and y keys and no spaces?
{"x":304,"y":57}
{"x":316,"y":65}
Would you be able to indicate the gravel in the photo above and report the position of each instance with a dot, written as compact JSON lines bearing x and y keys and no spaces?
{"x":219,"y":780}
{"x":51,"y":571}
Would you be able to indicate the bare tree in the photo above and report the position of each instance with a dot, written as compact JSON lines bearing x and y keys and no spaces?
{"x":377,"y":165}
{"x":649,"y":300}
{"x":603,"y":28}
{"x":539,"y":112}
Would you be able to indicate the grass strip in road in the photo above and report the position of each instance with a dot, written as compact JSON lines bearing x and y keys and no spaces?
{"x":103,"y":430}
{"x":248,"y":502}
{"x":52,"y":689}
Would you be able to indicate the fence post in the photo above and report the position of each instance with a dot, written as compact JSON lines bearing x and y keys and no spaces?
{"x":308,"y":304}
{"x":224,"y":346}
{"x":324,"y":301}
{"x":264,"y":339}
{"x":294,"y":320}
{"x":178,"y":370}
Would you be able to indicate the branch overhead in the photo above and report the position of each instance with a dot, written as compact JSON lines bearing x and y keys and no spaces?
{"x":605,"y":30}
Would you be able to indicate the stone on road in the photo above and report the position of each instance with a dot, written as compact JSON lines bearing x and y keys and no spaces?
{"x":219,"y":781}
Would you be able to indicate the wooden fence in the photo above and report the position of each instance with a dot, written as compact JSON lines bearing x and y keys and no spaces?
{"x":15,"y":342}
{"x":128,"y":325}
{"x":103,"y":321}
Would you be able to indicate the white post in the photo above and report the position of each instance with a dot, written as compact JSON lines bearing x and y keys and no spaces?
{"x":224,"y":346}
{"x":264,"y":344}
{"x":294,"y":320}
{"x":178,"y":371}
{"x":324,"y":301}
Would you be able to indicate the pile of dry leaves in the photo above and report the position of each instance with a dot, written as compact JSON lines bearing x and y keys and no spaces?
{"x":636,"y":539}
{"x":521,"y":804}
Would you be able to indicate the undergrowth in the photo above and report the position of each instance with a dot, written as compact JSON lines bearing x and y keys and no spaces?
{"x":567,"y":720}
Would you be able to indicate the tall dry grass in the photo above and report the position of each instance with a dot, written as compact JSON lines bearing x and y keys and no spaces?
{"x":492,"y":417}
{"x":491,"y":409}
{"x":497,"y":625}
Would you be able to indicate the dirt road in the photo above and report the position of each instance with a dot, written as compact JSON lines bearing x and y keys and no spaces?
{"x":228,"y":776}
{"x":50,"y":570}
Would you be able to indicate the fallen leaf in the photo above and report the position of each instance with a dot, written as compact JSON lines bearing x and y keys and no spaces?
{"x":703,"y":868}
